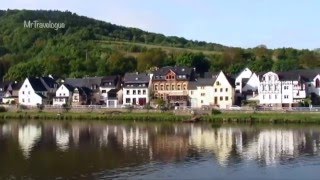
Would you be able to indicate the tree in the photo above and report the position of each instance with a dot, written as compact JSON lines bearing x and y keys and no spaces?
{"x":119,"y":64}
{"x":151,"y":58}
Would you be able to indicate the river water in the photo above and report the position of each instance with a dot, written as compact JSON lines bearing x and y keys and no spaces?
{"x":136,"y":150}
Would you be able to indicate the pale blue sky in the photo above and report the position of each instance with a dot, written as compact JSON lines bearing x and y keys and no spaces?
{"x":242,"y":23}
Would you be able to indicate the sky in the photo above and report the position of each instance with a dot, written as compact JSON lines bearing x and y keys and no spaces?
{"x":237,"y":23}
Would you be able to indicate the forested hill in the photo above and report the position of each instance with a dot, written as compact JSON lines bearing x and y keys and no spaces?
{"x":88,"y":47}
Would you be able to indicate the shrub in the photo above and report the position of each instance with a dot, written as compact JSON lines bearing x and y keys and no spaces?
{"x":66,"y":107}
{"x":40,"y":107}
{"x":215,"y":111}
{"x":3,"y":109}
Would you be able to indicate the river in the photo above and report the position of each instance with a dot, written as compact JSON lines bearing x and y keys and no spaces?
{"x":140,"y":150}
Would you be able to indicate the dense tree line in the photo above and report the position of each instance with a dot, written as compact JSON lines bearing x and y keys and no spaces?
{"x":77,"y":51}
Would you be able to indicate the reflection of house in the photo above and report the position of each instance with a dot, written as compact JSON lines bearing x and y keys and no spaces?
{"x":11,"y":92}
{"x":224,"y":91}
{"x":171,"y":84}
{"x":28,"y":135}
{"x":62,"y":138}
{"x":271,"y":145}
{"x":136,"y":89}
{"x":201,"y":92}
{"x":37,"y":91}
{"x":220,"y":141}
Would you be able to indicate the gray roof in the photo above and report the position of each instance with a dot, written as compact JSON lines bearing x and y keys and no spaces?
{"x":186,"y":72}
{"x":110,"y":81}
{"x":37,"y":84}
{"x":84,"y":82}
{"x":136,"y":78}
{"x":202,"y":82}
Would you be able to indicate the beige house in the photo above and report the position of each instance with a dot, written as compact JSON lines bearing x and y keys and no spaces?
{"x":224,"y":91}
{"x":171,"y":84}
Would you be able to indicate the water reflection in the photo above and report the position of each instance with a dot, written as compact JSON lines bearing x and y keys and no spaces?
{"x":92,"y":147}
{"x":27,"y":136}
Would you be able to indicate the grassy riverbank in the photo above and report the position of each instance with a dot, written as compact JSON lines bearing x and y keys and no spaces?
{"x":270,"y":117}
{"x":93,"y":116}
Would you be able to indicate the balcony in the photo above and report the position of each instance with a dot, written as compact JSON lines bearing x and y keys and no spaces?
{"x":178,"y":93}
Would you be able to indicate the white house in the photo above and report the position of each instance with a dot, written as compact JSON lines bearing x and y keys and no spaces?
{"x":110,"y":83}
{"x":284,"y":89}
{"x":136,"y":89}
{"x":32,"y":92}
{"x":241,"y":80}
{"x":201,"y":92}
{"x":113,"y":98}
{"x":63,"y":95}
{"x":224,"y":92}
{"x":250,"y":90}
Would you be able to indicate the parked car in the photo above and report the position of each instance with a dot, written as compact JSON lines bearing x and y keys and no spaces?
{"x":235,"y":107}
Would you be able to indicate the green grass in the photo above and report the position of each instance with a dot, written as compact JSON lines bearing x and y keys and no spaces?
{"x":265,"y":117}
{"x":149,"y":46}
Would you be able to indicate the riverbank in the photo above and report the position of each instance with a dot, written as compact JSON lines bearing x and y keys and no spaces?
{"x":240,"y":117}
{"x":166,"y":116}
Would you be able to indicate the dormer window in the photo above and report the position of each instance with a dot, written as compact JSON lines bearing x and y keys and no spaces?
{"x":218,"y":83}
{"x":317,"y":83}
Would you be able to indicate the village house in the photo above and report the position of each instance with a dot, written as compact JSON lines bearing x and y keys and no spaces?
{"x":37,"y":91}
{"x":224,"y":91}
{"x":88,"y":87}
{"x":136,"y":89}
{"x":171,"y":84}
{"x":283,"y":89}
{"x":11,"y":92}
{"x":64,"y":95}
{"x":246,"y":86}
{"x":201,"y":92}
{"x":110,"y":91}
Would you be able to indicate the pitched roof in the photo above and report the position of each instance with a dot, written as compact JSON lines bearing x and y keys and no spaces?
{"x":231,"y":81}
{"x":109,"y":81}
{"x":84,"y":82}
{"x":69,"y":87}
{"x":181,"y":72}
{"x":133,"y":78}
{"x":50,"y":82}
{"x":37,"y":84}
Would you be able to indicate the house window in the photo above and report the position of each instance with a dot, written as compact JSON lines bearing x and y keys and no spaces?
{"x":270,"y":88}
{"x":220,"y":89}
{"x":144,"y":92}
{"x":28,"y":99}
{"x":226,"y":89}
{"x":269,"y":96}
{"x":167,"y":87}
{"x":263,"y":97}
{"x":201,"y":101}
{"x":22,"y":100}
{"x":317,"y":83}
{"x":22,"y":92}
{"x":155,"y":87}
{"x":60,"y":94}
{"x":191,"y":92}
{"x":134,"y":92}
{"x":64,"y":94}
{"x":215,"y":90}
{"x":218,"y":83}
{"x":237,"y":83}
{"x":26,"y":86}
{"x":286,"y":87}
{"x":127,"y":100}
{"x":103,"y":91}
{"x":184,"y":87}
{"x":179,"y":87}
{"x":28,"y":92}
{"x":128,"y":92}
{"x":161,"y":87}
{"x":139,"y":92}
{"x":275,"y":96}
{"x":286,"y":96}
{"x":172,"y":87}
{"x":203,"y":94}
{"x":237,"y":91}
{"x":226,"y":98}
{"x":221,"y":98}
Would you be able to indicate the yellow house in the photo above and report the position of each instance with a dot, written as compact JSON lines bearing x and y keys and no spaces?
{"x":223,"y":91}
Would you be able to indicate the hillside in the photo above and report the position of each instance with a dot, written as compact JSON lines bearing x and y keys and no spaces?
{"x":88,"y":47}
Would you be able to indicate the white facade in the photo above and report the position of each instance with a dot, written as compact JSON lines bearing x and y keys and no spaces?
{"x":252,"y":86}
{"x":134,"y":95}
{"x":28,"y":96}
{"x":224,"y":93}
{"x":274,"y":92}
{"x":63,"y":96}
{"x":201,"y":96}
{"x":314,"y":86}
{"x":245,"y":74}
